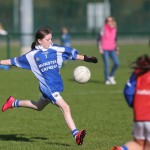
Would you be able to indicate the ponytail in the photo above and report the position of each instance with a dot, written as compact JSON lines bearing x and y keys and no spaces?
{"x":40,"y":34}
{"x":33,"y":45}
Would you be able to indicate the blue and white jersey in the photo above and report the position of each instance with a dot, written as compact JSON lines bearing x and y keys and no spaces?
{"x":46,"y":64}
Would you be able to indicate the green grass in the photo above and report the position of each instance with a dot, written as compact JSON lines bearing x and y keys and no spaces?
{"x":100,"y":109}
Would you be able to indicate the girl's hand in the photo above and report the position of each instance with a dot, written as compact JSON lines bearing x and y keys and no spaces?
{"x":117,"y":50}
{"x":91,"y":59}
{"x":5,"y":62}
{"x":101,"y":51}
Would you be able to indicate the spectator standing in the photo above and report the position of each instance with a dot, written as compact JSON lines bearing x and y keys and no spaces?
{"x":65,"y":37}
{"x":107,"y":44}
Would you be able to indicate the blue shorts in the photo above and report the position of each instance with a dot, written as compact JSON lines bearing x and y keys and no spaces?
{"x":53,"y":97}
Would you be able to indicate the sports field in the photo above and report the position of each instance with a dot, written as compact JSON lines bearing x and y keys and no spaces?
{"x":98,"y":108}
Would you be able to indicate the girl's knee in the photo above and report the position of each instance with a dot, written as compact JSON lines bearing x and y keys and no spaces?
{"x":63,"y":106}
{"x":66,"y":108}
{"x":40,"y":105}
{"x":39,"y":108}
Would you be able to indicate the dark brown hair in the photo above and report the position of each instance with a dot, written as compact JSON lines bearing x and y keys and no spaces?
{"x":40,"y":34}
{"x":142,"y":64}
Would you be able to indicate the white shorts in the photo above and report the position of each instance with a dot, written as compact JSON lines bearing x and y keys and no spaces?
{"x":53,"y":98}
{"x":141,"y":130}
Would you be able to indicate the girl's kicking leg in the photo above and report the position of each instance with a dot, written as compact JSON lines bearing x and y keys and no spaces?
{"x":12,"y":102}
{"x":79,"y":135}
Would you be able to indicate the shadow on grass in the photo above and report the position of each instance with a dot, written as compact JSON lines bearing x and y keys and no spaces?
{"x":90,"y":81}
{"x":22,"y":138}
{"x":14,"y":137}
{"x":19,"y":137}
{"x":59,"y":144}
{"x":39,"y":138}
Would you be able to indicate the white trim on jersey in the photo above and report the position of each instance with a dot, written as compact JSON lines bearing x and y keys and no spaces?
{"x":35,"y":69}
{"x":46,"y":69}
{"x":16,"y":62}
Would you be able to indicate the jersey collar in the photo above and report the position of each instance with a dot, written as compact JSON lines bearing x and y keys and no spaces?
{"x":39,"y":47}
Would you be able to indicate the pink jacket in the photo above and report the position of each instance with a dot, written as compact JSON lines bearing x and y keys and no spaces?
{"x":108,"y":38}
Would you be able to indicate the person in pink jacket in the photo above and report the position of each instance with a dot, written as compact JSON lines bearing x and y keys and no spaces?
{"x":107,"y":44}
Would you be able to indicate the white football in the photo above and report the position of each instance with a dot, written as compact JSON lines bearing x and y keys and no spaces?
{"x":81,"y":74}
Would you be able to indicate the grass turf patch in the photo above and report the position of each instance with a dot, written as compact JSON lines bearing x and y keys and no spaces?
{"x":98,"y":108}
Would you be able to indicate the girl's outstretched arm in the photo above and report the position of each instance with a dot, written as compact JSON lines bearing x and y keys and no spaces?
{"x":80,"y":57}
{"x":91,"y":59}
{"x":5,"y":62}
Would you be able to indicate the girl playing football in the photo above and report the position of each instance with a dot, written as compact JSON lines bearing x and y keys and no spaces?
{"x":45,"y":60}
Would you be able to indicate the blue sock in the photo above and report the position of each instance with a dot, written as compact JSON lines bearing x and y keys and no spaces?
{"x":74,"y":132}
{"x":124,"y":147}
{"x":16,"y":103}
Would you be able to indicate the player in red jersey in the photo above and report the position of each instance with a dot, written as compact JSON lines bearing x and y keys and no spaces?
{"x":137,"y":95}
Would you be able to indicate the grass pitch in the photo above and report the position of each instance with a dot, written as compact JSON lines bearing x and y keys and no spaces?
{"x":98,"y":108}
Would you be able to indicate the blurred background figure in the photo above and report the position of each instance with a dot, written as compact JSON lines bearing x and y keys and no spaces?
{"x":107,"y":44}
{"x":65,"y":37}
{"x":137,"y":95}
{"x":2,"y":31}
